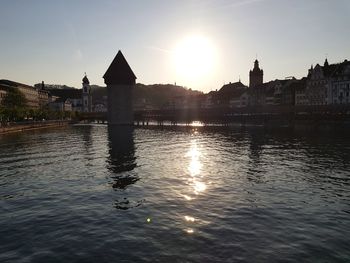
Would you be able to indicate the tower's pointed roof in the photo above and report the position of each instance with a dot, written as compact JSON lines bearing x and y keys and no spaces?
{"x":119,"y":72}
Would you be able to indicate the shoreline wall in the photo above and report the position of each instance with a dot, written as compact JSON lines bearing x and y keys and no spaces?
{"x":18,"y":127}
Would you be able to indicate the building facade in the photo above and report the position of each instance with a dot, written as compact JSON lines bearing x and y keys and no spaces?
{"x":63,"y":105}
{"x":339,"y":88}
{"x":317,"y":85}
{"x":30,"y":93}
{"x":43,"y":96}
{"x":328,"y":84}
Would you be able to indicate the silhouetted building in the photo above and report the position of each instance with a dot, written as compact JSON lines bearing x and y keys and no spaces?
{"x":338,"y":91}
{"x":209,"y":100}
{"x":300,"y":92}
{"x":317,"y":85}
{"x":187,"y":102}
{"x":231,"y":95}
{"x":256,"y":75}
{"x":140,"y":104}
{"x":120,"y":80}
{"x":270,"y":93}
{"x":240,"y":100}
{"x":328,"y":84}
{"x":257,"y":94}
{"x":283,"y":92}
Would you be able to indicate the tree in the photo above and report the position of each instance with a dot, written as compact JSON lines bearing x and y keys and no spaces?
{"x":2,"y":114}
{"x":14,"y":99}
{"x":14,"y":104}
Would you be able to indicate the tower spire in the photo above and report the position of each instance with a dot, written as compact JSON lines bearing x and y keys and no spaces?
{"x":326,"y":61}
{"x":256,"y":75}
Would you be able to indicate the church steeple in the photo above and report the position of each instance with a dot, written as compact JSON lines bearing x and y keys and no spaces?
{"x":85,"y":79}
{"x":86,"y":95}
{"x":256,"y":65}
{"x":326,"y":63}
{"x":256,"y":75}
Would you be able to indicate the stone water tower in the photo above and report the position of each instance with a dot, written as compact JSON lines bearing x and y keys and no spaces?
{"x":120,"y":81}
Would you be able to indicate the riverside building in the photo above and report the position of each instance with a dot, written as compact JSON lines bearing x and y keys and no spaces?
{"x":30,"y":93}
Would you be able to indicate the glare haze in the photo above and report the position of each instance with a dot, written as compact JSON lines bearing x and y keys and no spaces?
{"x":57,"y":41}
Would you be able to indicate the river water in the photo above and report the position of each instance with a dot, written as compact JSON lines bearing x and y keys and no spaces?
{"x":186,"y":194}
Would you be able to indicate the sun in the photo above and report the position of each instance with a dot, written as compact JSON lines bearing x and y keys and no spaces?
{"x":194,"y":59}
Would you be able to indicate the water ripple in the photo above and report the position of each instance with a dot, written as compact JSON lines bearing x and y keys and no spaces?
{"x":88,"y":193}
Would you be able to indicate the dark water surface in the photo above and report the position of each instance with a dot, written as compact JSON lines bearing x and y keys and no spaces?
{"x":93,"y":194}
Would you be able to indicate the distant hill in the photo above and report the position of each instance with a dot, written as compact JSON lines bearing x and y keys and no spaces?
{"x":157,"y":95}
{"x":53,"y":86}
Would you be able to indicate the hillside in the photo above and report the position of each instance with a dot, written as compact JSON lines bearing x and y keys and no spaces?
{"x":156,"y":95}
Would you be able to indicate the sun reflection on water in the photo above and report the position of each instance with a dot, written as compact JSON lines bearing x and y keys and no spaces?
{"x":199,"y":187}
{"x":195,"y":168}
{"x":195,"y":181}
{"x":190,"y":231}
{"x":188,"y":198}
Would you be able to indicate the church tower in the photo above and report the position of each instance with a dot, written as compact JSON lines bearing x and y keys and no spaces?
{"x":86,"y":94}
{"x":256,"y":75}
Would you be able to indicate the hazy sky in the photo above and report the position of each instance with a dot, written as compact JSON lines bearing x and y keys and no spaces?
{"x":57,"y":41}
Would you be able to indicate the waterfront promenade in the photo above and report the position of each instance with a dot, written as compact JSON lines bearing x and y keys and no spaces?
{"x":32,"y":125}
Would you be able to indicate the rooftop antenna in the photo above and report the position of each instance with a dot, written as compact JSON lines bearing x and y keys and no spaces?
{"x":239,"y":78}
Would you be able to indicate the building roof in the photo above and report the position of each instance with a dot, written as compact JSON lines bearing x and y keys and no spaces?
{"x":338,"y":69}
{"x":232,"y":86}
{"x":61,"y":100}
{"x":231,"y":90}
{"x":119,"y":72}
{"x":10,"y":83}
{"x":331,"y":70}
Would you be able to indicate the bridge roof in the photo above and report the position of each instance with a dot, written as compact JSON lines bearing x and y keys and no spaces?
{"x":119,"y":72}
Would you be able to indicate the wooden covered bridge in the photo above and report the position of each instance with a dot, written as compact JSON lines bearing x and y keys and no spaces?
{"x":260,"y":115}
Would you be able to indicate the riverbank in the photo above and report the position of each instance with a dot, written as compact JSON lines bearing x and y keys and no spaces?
{"x":18,"y":127}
